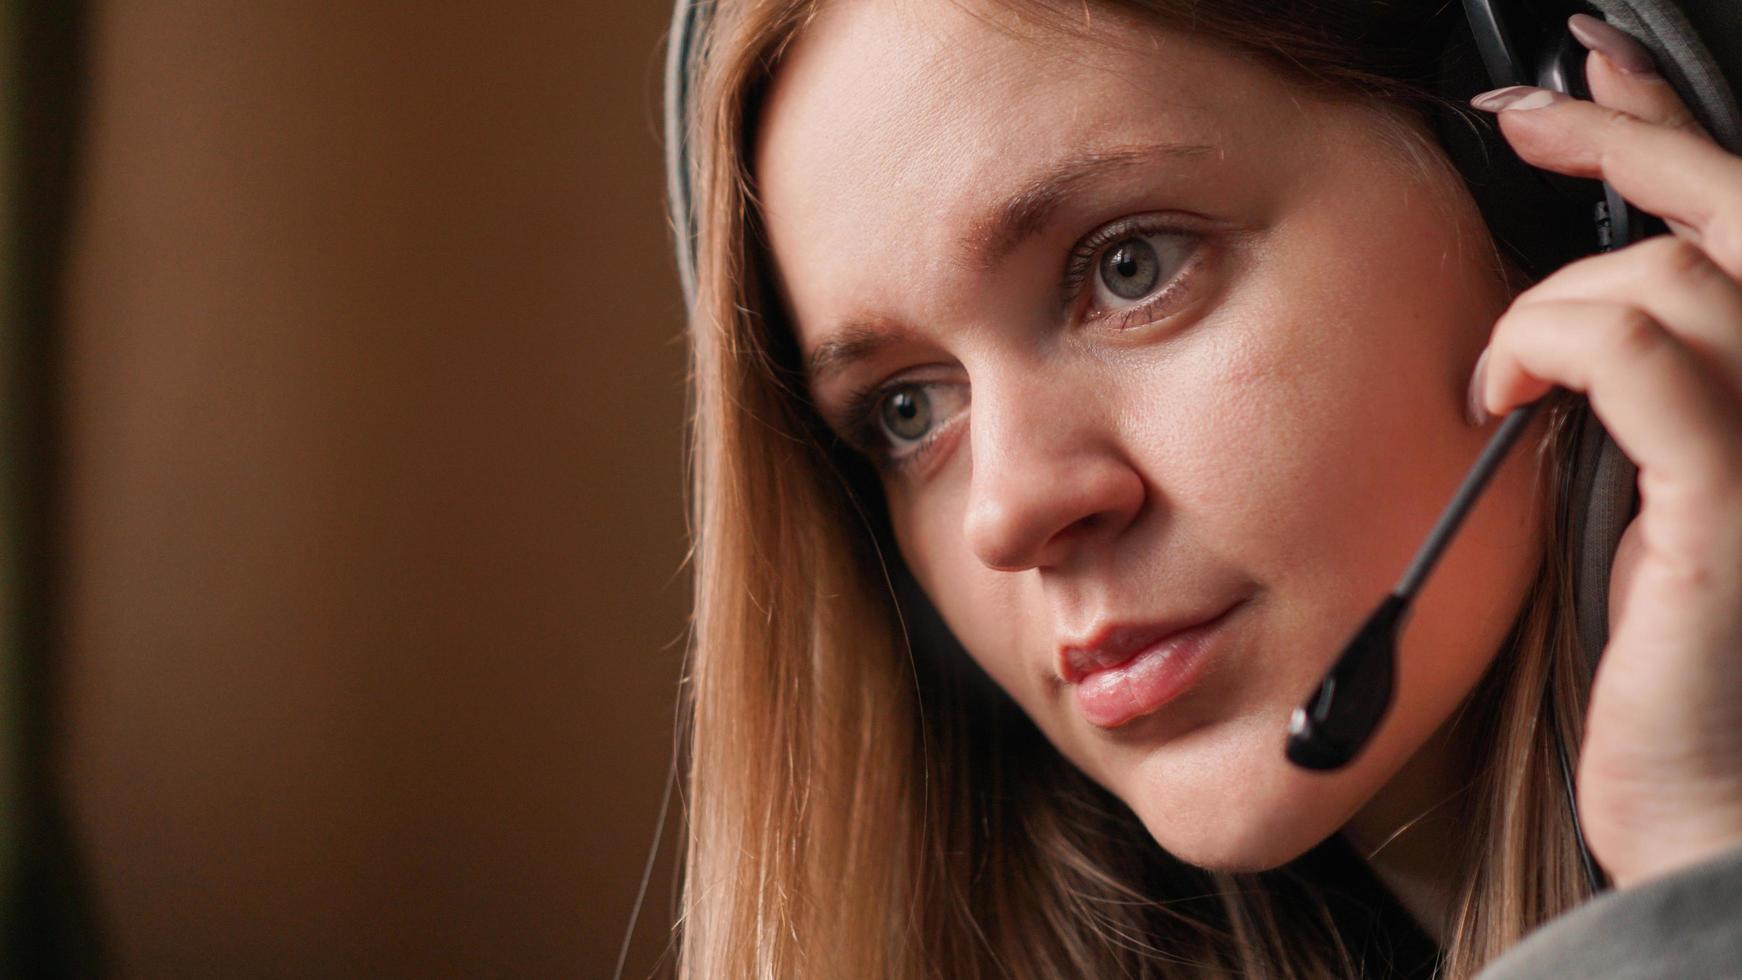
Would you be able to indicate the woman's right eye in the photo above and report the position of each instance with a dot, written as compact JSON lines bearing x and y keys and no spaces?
{"x":909,"y":416}
{"x":906,"y":414}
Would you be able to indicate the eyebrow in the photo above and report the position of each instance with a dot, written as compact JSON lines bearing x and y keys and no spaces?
{"x":855,"y":341}
{"x":1039,"y":196}
{"x":994,"y":235}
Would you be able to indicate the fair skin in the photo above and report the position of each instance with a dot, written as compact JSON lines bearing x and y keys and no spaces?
{"x":1267,"y":416}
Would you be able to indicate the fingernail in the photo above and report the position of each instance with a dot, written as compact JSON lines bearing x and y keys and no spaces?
{"x":1477,"y":414}
{"x":1516,"y":97}
{"x":1625,"y":53}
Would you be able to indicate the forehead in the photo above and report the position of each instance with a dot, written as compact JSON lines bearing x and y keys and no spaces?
{"x":892,"y":128}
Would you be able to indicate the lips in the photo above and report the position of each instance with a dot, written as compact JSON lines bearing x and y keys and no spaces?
{"x":1126,"y":671}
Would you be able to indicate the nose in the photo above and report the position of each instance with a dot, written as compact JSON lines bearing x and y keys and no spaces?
{"x":1049,"y":477}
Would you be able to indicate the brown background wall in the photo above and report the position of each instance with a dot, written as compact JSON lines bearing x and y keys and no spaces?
{"x":375,"y":379}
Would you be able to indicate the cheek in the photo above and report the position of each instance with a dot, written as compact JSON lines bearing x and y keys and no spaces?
{"x":1332,"y":402}
{"x":996,"y":616}
{"x":1313,"y":432}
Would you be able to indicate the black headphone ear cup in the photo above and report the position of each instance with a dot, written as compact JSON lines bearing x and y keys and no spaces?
{"x":1539,"y":224}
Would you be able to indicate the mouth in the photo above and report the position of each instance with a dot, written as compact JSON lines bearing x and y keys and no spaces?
{"x":1128,"y":671}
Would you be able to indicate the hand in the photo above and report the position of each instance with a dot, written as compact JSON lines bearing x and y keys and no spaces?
{"x":1652,"y":334}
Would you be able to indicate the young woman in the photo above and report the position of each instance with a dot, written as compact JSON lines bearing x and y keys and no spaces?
{"x":1027,"y":335}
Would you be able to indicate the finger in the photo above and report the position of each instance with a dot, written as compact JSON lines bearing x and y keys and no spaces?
{"x":1621,"y":74}
{"x":1672,"y":173}
{"x":1672,"y":280}
{"x":1662,"y":406}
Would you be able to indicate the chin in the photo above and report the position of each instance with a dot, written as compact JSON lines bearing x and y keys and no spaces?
{"x":1239,"y":845}
{"x":1243,"y":811}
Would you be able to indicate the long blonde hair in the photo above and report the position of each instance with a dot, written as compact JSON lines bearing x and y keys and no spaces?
{"x":860,"y":805}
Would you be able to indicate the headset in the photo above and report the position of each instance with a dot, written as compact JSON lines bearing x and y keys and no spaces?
{"x":1526,"y":43}
{"x":1541,"y":220}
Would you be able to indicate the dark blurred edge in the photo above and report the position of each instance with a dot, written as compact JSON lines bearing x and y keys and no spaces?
{"x":50,"y":925}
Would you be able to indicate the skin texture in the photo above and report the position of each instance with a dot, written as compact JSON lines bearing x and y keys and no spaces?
{"x":1280,"y":431}
{"x":1284,"y":433}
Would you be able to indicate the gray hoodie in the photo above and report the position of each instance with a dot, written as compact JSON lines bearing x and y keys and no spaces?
{"x":1683,"y":925}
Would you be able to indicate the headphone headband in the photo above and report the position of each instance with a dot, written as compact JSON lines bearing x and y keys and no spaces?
{"x":689,"y":23}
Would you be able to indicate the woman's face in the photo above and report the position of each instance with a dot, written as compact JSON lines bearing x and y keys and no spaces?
{"x":1141,"y":334}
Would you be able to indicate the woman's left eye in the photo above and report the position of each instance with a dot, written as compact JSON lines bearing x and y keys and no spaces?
{"x":1129,"y":270}
{"x":1132,"y":268}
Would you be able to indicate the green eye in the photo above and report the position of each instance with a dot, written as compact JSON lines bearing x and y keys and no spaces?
{"x":1131,"y":269}
{"x":906,"y":414}
{"x":908,"y":419}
